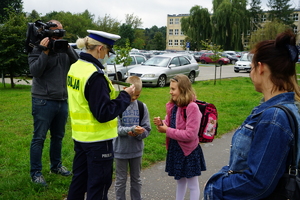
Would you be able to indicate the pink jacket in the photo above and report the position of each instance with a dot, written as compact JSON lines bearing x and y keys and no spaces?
{"x":186,"y":132}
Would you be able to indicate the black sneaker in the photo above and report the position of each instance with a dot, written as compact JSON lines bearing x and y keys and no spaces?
{"x":38,"y":178}
{"x":62,"y":171}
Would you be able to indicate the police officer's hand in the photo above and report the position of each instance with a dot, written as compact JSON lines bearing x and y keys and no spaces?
{"x":130,"y":90}
{"x":45,"y":43}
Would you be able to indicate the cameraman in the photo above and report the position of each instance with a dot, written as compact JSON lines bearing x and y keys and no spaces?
{"x":49,"y":103}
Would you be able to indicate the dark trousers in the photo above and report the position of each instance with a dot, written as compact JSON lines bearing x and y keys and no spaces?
{"x":92,"y":170}
{"x":47,"y":115}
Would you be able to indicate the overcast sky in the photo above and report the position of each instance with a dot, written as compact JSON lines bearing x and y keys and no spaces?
{"x":152,"y":12}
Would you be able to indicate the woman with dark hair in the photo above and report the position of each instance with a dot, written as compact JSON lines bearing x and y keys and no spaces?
{"x":260,"y":147}
{"x":185,"y":159}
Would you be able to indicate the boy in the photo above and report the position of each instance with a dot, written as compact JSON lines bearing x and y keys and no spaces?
{"x":129,"y":145}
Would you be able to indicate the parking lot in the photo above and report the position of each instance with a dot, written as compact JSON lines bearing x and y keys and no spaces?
{"x":207,"y":72}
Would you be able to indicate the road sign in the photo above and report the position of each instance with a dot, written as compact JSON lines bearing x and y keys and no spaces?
{"x":187,"y":45}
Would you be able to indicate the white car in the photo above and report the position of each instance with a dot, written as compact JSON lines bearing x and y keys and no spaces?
{"x":121,"y":70}
{"x":244,"y":64}
{"x":158,"y":70}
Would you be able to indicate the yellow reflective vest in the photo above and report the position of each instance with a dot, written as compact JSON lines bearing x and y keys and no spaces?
{"x":85,"y":127}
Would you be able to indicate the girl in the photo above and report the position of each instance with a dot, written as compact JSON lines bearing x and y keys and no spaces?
{"x":185,"y":159}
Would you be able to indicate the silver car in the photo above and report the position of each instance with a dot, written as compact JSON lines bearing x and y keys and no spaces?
{"x":158,"y":70}
{"x":120,"y":73}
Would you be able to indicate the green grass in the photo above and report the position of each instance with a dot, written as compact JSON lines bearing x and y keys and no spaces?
{"x":234,"y":99}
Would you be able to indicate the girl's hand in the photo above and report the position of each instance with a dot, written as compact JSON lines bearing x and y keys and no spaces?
{"x":157,"y":121}
{"x":161,"y":127}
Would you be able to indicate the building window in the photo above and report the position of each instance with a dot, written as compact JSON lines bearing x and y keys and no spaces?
{"x":181,"y":32}
{"x":175,"y":42}
{"x":176,"y":31}
{"x":295,"y":17}
{"x":181,"y":42}
{"x":171,"y":21}
{"x":170,"y":42}
{"x":246,"y":42}
{"x":177,"y":21}
{"x":170,"y":31}
{"x":295,"y":29}
{"x":264,"y":18}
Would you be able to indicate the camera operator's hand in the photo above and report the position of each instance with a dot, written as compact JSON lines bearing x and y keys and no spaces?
{"x":45,"y":43}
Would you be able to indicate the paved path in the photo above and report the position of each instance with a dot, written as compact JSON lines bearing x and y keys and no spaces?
{"x":157,"y":185}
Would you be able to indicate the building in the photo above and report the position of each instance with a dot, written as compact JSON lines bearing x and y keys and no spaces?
{"x":175,"y":37}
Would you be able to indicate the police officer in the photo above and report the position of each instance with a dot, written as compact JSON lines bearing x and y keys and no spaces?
{"x":93,"y":110}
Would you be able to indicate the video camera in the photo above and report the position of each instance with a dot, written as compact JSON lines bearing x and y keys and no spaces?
{"x":38,"y":30}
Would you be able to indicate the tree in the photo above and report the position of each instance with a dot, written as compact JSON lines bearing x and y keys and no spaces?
{"x":215,"y":49}
{"x":74,"y":24}
{"x":126,"y":32}
{"x":134,"y":21}
{"x":229,"y":22}
{"x":139,"y":39}
{"x":255,"y":17}
{"x":255,"y":14}
{"x":268,"y":32}
{"x":159,"y":42}
{"x":13,"y":58}
{"x":123,"y":56}
{"x":33,"y":16}
{"x":16,"y":5}
{"x":150,"y":34}
{"x":281,"y":10}
{"x":108,"y":24}
{"x":197,"y":26}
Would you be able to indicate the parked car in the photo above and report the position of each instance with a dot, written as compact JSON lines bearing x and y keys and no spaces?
{"x":158,"y":70}
{"x":78,"y":51}
{"x":122,"y":70}
{"x":232,"y":58}
{"x":233,"y":53}
{"x":206,"y":59}
{"x":244,"y":64}
{"x":197,"y":56}
{"x":146,"y":55}
{"x":190,"y":57}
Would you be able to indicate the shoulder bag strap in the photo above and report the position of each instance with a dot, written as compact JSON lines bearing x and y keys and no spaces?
{"x":294,"y":126}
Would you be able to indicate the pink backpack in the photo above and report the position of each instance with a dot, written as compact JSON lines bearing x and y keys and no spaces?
{"x":209,"y":121}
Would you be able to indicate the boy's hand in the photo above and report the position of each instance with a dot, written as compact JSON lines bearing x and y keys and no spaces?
{"x":130,"y":133}
{"x":137,"y":131}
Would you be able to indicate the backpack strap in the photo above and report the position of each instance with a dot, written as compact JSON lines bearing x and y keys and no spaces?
{"x":141,"y":111}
